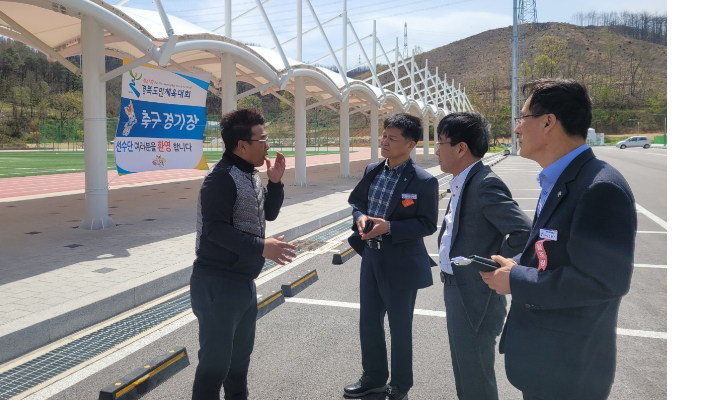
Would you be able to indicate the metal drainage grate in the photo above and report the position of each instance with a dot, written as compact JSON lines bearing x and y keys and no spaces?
{"x":32,"y":233}
{"x":308,"y":242}
{"x":307,"y":245}
{"x":74,"y":246}
{"x":61,"y":359}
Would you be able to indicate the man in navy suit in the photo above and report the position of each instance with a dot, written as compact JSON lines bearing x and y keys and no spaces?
{"x":560,"y":336}
{"x":400,"y":201}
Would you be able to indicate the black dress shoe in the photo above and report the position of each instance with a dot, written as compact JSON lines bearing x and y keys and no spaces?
{"x":394,"y":394}
{"x":362,"y":387}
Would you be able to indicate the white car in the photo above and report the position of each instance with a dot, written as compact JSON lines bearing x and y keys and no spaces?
{"x":634,"y":141}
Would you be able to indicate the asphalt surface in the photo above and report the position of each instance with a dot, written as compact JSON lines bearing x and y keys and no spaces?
{"x":310,"y":351}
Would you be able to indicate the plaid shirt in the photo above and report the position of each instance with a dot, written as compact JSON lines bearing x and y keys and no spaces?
{"x":378,"y":199}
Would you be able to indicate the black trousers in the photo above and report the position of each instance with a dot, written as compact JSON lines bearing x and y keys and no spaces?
{"x":473,"y":353}
{"x":226,"y":313}
{"x":377,"y":297}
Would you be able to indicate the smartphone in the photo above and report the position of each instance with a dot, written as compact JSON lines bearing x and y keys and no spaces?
{"x":480,"y":263}
{"x":368,"y":226}
{"x":485,"y":264}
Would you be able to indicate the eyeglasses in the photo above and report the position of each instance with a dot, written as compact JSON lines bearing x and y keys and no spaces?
{"x":263,"y":141}
{"x":438,"y":144}
{"x":518,"y":120}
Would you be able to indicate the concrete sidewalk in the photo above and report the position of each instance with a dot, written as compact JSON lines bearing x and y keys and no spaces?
{"x":56,"y":280}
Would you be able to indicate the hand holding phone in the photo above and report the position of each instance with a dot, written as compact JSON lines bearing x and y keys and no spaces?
{"x":368,"y":226}
{"x":480,"y":263}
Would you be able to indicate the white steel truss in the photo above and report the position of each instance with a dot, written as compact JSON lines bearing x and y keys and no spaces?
{"x":55,"y":28}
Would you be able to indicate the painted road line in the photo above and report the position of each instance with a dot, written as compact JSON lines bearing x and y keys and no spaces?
{"x":442,"y":314}
{"x":650,"y":266}
{"x":637,"y":333}
{"x":653,"y":217}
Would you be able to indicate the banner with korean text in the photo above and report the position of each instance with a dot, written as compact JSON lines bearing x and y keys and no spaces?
{"x":162,"y":120}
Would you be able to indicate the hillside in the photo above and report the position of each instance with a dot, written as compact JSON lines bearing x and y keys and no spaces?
{"x":489,"y":53}
{"x":627,"y":77}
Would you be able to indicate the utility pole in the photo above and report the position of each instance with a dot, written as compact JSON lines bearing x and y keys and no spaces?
{"x":524,"y":12}
{"x":514,"y":83}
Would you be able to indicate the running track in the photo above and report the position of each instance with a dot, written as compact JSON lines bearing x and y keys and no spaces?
{"x":20,"y":188}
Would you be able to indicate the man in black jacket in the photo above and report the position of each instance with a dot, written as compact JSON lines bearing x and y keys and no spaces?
{"x":400,"y":201}
{"x":232,"y":207}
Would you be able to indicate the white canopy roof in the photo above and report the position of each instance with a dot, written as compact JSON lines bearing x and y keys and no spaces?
{"x":54,"y":28}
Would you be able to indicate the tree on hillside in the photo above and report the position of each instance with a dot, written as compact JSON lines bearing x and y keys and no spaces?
{"x":284,"y":106}
{"x":251,"y":102}
{"x":486,"y":99}
{"x":553,"y":50}
{"x":69,"y":105}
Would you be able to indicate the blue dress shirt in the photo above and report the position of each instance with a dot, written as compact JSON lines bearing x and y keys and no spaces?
{"x":548,"y":176}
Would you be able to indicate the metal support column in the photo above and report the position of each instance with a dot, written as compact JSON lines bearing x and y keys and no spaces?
{"x":345,"y":138}
{"x":514,"y":83}
{"x":374,"y":51}
{"x":374,"y":134}
{"x":436,"y":129}
{"x":299,"y":108}
{"x":425,"y":142}
{"x":95,"y":162}
{"x":229,"y":83}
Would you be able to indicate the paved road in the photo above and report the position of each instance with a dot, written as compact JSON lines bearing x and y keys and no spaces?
{"x":308,"y":348}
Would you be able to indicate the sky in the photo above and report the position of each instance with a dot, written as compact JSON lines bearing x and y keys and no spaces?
{"x":430,"y":23}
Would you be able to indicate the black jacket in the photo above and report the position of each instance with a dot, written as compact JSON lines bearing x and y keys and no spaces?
{"x":222,"y":250}
{"x":410,"y":264}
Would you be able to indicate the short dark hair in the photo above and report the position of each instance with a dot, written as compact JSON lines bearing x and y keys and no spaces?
{"x":470,"y":128}
{"x":567,"y":99}
{"x":410,"y":125}
{"x":236,"y":125}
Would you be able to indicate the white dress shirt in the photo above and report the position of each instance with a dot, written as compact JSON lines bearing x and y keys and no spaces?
{"x":456,"y":185}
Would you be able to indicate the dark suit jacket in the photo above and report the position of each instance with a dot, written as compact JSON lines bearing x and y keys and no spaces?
{"x":410,"y":264}
{"x":486,"y":213}
{"x":560,"y":336}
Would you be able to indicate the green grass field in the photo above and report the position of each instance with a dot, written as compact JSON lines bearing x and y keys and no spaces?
{"x":31,"y":163}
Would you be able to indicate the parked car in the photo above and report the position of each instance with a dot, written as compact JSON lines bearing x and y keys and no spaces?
{"x":634,"y":141}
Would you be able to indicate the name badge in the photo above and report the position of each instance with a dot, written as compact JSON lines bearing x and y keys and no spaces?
{"x":409,"y":196}
{"x":548,"y":234}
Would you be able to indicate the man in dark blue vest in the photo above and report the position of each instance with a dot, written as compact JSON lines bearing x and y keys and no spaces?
{"x":560,"y":336}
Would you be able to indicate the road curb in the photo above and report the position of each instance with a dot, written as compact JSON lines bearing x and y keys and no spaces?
{"x":291,"y":289}
{"x":39,"y":332}
{"x":266,"y":305}
{"x":143,"y":379}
